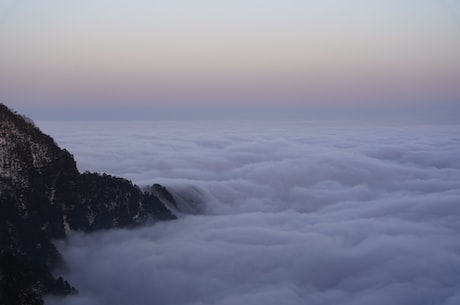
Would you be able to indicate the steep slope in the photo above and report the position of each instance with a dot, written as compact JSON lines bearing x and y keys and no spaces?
{"x":43,"y":197}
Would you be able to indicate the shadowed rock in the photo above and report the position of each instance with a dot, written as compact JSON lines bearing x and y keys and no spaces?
{"x":43,"y":197}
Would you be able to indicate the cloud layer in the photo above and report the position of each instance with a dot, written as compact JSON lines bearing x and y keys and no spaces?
{"x":274,"y":213}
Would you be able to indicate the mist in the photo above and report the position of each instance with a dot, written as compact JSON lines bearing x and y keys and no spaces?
{"x":273,"y":213}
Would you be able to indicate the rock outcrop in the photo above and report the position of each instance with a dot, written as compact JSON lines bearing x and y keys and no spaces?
{"x":44,"y":197}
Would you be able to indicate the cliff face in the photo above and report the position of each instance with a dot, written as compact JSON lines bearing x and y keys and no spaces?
{"x":42,"y":197}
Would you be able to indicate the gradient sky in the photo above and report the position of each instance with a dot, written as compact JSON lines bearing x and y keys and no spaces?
{"x":103,"y":59}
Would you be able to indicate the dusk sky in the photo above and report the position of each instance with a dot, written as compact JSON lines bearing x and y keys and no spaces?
{"x":141,"y":59}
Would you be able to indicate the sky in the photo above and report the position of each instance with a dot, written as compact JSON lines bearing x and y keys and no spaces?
{"x":242,"y":58}
{"x":288,"y":213}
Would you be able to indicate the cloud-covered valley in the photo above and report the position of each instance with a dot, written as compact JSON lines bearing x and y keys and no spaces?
{"x":274,"y":213}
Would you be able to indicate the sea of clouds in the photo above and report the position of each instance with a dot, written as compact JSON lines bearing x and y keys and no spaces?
{"x":273,"y":213}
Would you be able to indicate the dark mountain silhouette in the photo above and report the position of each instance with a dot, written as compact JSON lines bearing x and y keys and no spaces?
{"x":44,"y":197}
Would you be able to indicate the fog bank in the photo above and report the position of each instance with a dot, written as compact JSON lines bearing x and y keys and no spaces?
{"x":274,"y":213}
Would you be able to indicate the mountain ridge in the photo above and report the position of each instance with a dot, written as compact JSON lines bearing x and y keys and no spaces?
{"x":43,"y":196}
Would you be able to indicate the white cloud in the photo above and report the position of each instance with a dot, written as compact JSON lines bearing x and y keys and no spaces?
{"x":285,"y":213}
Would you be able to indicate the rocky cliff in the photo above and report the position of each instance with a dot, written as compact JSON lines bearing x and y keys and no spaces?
{"x":44,"y":197}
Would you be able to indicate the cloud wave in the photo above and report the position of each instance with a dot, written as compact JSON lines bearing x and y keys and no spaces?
{"x":274,"y":213}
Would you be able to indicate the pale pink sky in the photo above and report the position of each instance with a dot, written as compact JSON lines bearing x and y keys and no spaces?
{"x":186,"y":54}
